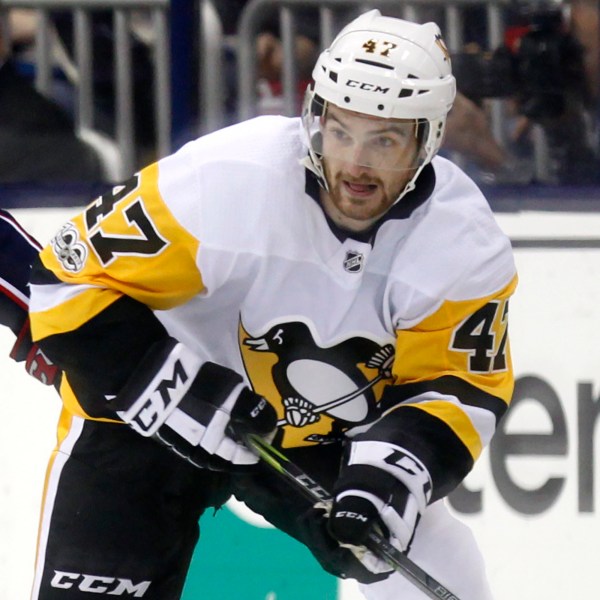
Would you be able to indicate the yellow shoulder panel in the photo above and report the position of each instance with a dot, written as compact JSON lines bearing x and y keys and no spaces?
{"x":466,"y":339}
{"x":128,"y":240}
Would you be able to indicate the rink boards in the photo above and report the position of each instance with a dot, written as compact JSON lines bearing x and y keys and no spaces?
{"x":532,"y":499}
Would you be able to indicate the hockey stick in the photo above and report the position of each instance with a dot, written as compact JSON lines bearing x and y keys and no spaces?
{"x":376,"y":542}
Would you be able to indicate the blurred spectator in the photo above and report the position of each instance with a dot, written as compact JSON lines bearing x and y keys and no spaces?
{"x":103,"y":40}
{"x":269,"y":54}
{"x":585,"y":26}
{"x":541,"y":75}
{"x":468,"y":133}
{"x":21,"y":24}
{"x":269,"y":50}
{"x":37,"y":138}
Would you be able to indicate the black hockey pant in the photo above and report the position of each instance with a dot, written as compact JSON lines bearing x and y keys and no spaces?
{"x":120,"y":516}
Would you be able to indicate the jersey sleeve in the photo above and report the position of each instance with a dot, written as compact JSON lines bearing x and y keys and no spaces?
{"x":453,"y":383}
{"x":98,"y":282}
{"x":127,"y":242}
{"x":452,"y":373}
{"x":17,"y":252}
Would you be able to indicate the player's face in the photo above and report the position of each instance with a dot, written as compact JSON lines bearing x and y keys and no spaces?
{"x":367,"y":161}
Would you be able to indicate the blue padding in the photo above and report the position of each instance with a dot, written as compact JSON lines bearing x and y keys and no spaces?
{"x":35,"y":195}
{"x":570,"y":198}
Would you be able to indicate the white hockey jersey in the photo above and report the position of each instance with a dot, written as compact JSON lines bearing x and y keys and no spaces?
{"x":226,"y":241}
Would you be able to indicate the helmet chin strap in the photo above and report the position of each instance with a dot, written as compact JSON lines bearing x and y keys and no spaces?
{"x":309,"y":163}
{"x":409,"y":187}
{"x":412,"y":182}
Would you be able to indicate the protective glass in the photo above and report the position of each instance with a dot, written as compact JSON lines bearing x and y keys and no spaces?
{"x":339,"y":135}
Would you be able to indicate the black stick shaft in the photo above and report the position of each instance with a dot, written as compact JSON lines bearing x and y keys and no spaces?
{"x":376,"y":543}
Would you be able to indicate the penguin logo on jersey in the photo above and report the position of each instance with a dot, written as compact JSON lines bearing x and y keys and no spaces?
{"x":318,"y":391}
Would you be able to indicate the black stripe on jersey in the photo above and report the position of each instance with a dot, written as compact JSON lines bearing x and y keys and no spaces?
{"x":401,"y":210}
{"x":42,"y":276}
{"x":99,"y":356}
{"x":431,"y":440}
{"x":466,"y":392}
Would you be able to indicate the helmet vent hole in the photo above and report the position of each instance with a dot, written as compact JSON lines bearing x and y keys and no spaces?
{"x":333,"y":76}
{"x":423,"y":92}
{"x":404,"y":93}
{"x":374,"y":64}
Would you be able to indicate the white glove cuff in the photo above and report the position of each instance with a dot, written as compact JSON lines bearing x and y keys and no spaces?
{"x":401,"y":527}
{"x":213,"y":439}
{"x":398,"y":462}
{"x":164,"y":392}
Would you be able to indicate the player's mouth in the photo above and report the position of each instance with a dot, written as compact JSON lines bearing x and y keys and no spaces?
{"x":359,"y":190}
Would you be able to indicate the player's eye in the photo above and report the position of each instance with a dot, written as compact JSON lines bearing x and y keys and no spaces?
{"x":384,"y":141}
{"x":339,"y":134}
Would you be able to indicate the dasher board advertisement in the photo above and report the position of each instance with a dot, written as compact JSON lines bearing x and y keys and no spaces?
{"x":532,"y":500}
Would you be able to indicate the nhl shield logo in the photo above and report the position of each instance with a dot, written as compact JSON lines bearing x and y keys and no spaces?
{"x":353,"y":263}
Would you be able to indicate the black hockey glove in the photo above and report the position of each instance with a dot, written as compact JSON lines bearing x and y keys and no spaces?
{"x":380,"y":485}
{"x":190,"y":405}
{"x":339,"y":560}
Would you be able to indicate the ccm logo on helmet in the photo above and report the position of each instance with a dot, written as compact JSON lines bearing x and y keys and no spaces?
{"x":369,"y":87}
{"x":96,"y":584}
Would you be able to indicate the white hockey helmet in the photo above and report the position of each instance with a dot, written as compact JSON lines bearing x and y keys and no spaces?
{"x":384,"y":67}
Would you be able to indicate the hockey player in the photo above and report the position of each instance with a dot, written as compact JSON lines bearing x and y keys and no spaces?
{"x":323,"y":281}
{"x":17,"y":251}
